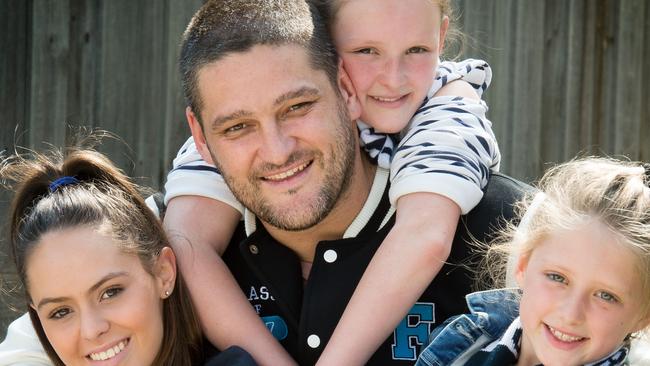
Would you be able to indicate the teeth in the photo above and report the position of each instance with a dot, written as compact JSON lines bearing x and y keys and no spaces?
{"x":387,"y":99}
{"x":109,"y":353}
{"x":563,"y":337}
{"x":288,"y":173}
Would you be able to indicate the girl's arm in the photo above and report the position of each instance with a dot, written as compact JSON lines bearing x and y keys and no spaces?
{"x":417,"y":246}
{"x":199,"y":229}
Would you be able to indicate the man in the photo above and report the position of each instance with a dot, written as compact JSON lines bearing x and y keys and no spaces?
{"x":266,"y":106}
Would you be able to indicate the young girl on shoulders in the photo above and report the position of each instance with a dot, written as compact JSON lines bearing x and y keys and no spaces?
{"x":582,"y":264}
{"x":421,"y":119}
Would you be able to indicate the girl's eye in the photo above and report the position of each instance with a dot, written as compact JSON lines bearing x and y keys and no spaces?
{"x":59,"y":313}
{"x":417,"y":50}
{"x":366,"y":51}
{"x":556,"y":277}
{"x":111,"y":292}
{"x":607,"y":296}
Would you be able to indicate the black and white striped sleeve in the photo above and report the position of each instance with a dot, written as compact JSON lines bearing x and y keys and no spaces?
{"x":449,"y":147}
{"x":191,"y":176}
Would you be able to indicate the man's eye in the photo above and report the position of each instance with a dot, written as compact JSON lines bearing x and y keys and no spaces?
{"x":59,"y":313}
{"x":556,"y":277}
{"x":299,"y":106}
{"x":236,"y":128}
{"x":111,"y":292}
{"x":607,"y":296}
{"x":417,"y":50}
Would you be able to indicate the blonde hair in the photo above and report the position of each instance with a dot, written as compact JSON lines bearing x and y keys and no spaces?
{"x":329,"y":10}
{"x":611,"y":191}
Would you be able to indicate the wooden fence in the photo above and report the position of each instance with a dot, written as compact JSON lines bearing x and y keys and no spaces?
{"x":568,"y":78}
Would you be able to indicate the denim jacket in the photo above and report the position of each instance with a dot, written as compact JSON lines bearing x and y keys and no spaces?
{"x":459,"y":337}
{"x":493,"y":321}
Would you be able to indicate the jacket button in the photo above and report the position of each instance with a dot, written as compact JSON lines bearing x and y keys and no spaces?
{"x":253,"y":248}
{"x":330,"y":256}
{"x":313,"y":341}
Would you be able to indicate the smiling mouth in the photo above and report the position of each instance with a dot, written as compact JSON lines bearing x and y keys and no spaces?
{"x":109,"y":353}
{"x":287,"y":174}
{"x":563,"y":336}
{"x":388,"y":100}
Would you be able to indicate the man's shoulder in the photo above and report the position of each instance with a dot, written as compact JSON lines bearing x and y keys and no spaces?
{"x":504,"y":187}
{"x":501,"y":194}
{"x":496,"y":208}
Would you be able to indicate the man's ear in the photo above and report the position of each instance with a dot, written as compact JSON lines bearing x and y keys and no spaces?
{"x":349,"y":93}
{"x":444,"y":27}
{"x":165,"y":272}
{"x":198,"y":135}
{"x":520,"y":268}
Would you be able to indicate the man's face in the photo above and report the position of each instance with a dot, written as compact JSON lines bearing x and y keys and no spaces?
{"x":279,"y":133}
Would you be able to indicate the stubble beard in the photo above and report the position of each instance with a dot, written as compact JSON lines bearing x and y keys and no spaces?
{"x":336,"y":181}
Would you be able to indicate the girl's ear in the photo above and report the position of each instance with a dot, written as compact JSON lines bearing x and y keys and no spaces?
{"x":520,"y":268}
{"x":198,"y":135}
{"x":349,"y":93}
{"x":165,"y":272}
{"x":444,"y":26}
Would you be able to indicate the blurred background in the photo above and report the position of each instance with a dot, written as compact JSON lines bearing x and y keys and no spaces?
{"x":570,"y":77}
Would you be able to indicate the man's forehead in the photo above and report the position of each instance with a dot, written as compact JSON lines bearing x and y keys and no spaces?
{"x":259,"y":75}
{"x":261,"y":56}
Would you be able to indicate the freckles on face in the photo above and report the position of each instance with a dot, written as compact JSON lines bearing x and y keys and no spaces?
{"x":93,"y":301}
{"x":578,"y":308}
{"x":390,"y":50}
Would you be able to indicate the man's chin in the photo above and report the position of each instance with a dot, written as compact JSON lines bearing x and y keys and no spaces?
{"x":291,"y":222}
{"x":291,"y":217}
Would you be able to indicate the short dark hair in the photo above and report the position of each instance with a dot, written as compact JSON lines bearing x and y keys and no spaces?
{"x":222,"y":27}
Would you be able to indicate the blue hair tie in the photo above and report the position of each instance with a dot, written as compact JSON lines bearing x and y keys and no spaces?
{"x":63,"y":181}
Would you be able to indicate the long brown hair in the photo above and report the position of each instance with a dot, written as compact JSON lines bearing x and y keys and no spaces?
{"x":103,"y":195}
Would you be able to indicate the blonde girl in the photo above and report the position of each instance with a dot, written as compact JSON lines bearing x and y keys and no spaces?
{"x":582,"y":265}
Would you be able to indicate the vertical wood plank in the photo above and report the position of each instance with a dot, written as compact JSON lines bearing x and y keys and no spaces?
{"x":49,"y":72}
{"x":645,"y":112}
{"x":85,"y":51}
{"x":577,"y":66}
{"x":499,"y":54}
{"x":527,"y":91}
{"x":554,"y":81}
{"x":14,"y":59}
{"x":176,"y":129}
{"x":131,"y":75}
{"x":589,"y":49}
{"x":14,"y":33}
{"x":608,"y":127}
{"x":629,"y":70}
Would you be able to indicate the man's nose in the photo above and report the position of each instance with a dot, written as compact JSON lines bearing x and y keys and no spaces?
{"x":276,"y":145}
{"x":93,"y":324}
